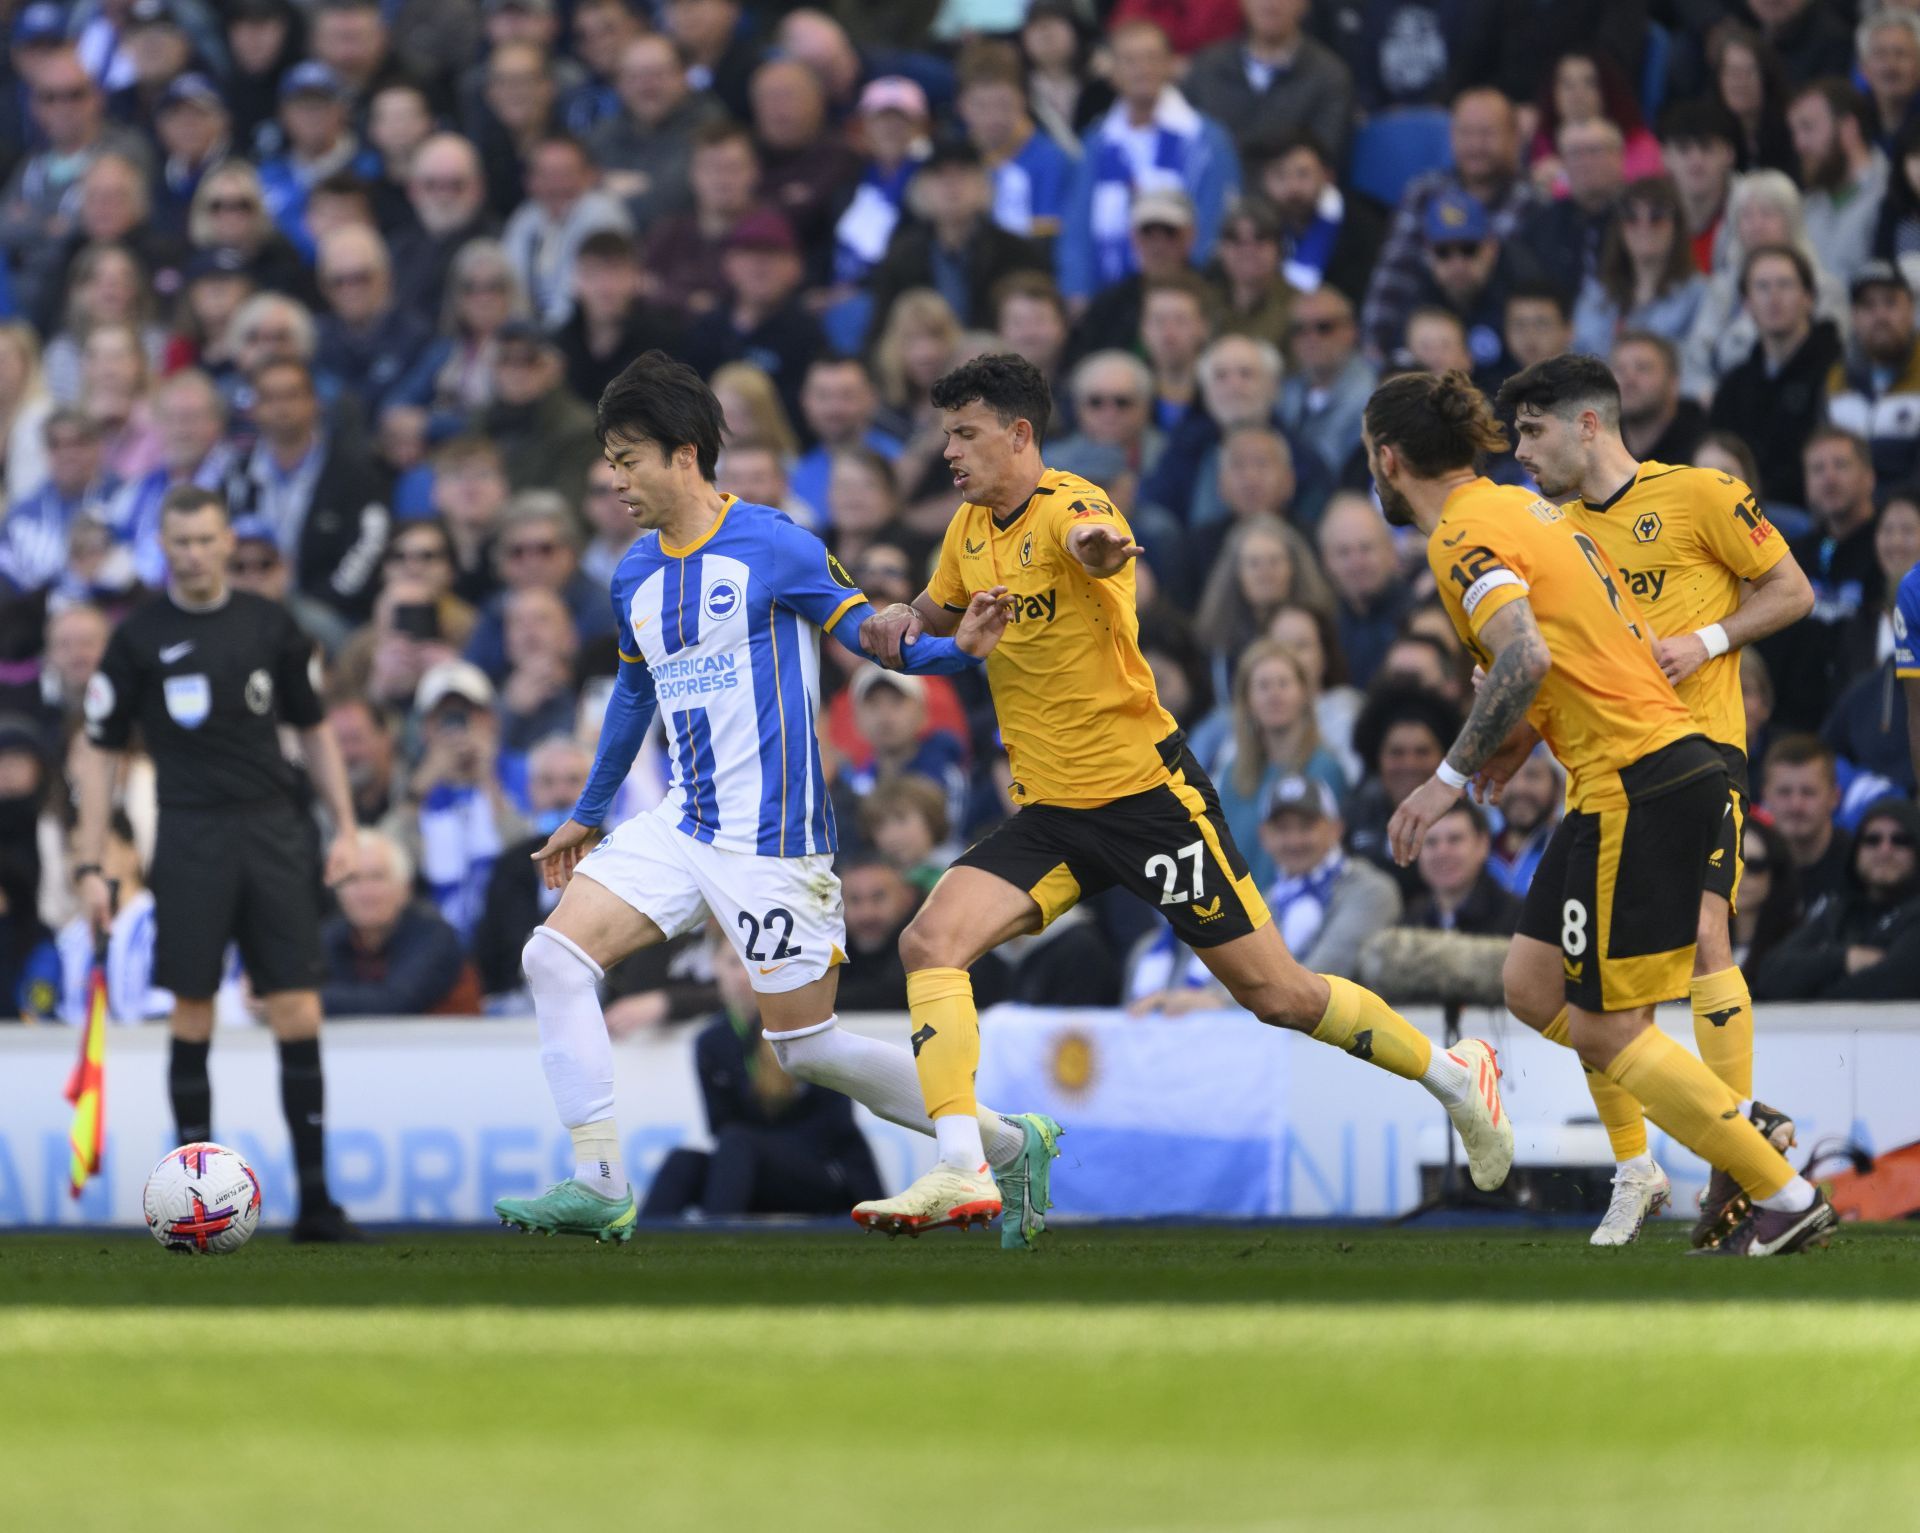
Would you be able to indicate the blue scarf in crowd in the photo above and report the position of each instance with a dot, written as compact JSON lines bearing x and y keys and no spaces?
{"x":1299,"y":905}
{"x":1118,"y":177}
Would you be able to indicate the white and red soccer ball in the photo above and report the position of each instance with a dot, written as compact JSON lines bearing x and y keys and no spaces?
{"x":202,"y":1199}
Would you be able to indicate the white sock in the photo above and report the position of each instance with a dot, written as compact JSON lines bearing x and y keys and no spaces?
{"x":1447,"y":1078}
{"x":1638,"y":1165}
{"x":881,"y":1077}
{"x":596,"y":1158}
{"x":1794,"y":1198}
{"x":959,"y":1140}
{"x":576,"y":1053}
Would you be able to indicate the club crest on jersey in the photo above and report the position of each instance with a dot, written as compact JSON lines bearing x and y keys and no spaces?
{"x":189,"y":700}
{"x":724,"y":599}
{"x":259,"y":691}
{"x":1647,"y":528}
{"x":1026,"y":549}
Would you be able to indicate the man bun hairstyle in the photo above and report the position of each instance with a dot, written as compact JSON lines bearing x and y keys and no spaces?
{"x":1564,"y":386}
{"x":1006,"y":383}
{"x":660,"y":400}
{"x":1435,"y":423}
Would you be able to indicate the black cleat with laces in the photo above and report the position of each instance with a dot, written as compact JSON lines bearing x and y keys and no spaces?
{"x":1723,"y":1205}
{"x":1766,"y":1232}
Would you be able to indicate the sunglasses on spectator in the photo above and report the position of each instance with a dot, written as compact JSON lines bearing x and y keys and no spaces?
{"x":544,"y":550}
{"x":417,"y":556}
{"x":1109,"y":402}
{"x":275,"y":337}
{"x":1897,"y":838}
{"x":1455,"y":250}
{"x":265,"y":565}
{"x":232,"y":205}
{"x":1314,"y":326}
{"x":65,"y":97}
{"x":1643,"y":214}
{"x":1166,"y":231}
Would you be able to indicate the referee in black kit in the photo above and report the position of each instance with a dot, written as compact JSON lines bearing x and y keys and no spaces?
{"x":208,"y":674}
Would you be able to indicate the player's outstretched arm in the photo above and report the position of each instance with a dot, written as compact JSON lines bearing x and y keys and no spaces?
{"x":629,"y":711}
{"x":1783,"y":595}
{"x":1520,"y":663}
{"x":921,"y":653}
{"x":1102,"y":551}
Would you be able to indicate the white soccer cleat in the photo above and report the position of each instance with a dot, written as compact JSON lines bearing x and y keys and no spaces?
{"x":1481,"y":1120}
{"x":1637,"y":1197}
{"x":946,"y":1195}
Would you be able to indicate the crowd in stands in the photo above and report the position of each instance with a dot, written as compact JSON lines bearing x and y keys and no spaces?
{"x":364,"y":266}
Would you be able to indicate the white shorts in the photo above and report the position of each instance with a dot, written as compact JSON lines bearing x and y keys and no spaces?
{"x":783,"y":914}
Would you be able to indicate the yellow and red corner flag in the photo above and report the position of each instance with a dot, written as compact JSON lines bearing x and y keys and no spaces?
{"x":86,"y":1089}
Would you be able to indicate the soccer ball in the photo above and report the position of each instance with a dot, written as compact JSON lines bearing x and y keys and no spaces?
{"x":202,"y":1198}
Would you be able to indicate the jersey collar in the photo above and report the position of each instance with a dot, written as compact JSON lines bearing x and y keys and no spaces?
{"x":1042,"y":488}
{"x":1617,"y":496}
{"x":727,"y":504}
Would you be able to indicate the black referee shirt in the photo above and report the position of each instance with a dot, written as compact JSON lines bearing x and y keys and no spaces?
{"x":207,"y":690}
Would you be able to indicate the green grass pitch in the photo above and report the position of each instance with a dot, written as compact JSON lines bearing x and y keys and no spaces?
{"x":1121,"y":1380}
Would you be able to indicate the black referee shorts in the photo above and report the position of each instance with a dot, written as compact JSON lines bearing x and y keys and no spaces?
{"x":244,"y":875}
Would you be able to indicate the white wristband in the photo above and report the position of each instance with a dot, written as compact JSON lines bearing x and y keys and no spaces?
{"x":1715,"y":638}
{"x":1448,"y":775}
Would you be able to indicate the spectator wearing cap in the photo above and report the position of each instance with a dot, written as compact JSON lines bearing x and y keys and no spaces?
{"x":1326,"y":234}
{"x":1874,"y":389}
{"x":1325,"y":903}
{"x":320,"y":142}
{"x":645,"y":150}
{"x":364,"y":339}
{"x":1458,"y":890}
{"x":456,"y":817}
{"x":1469,"y":273}
{"x":682,"y":256}
{"x":807,"y":173}
{"x":38,"y":31}
{"x":1843,"y":174}
{"x":891,"y":126}
{"x":890,"y":713}
{"x":1153,"y":139}
{"x":447,"y":192}
{"x":1030,"y":172}
{"x":195,"y":133}
{"x":1274,"y":78}
{"x":1253,"y":295}
{"x":1324,"y":396}
{"x":35,"y":534}
{"x":386,"y":954}
{"x":191,"y":417}
{"x":1163,"y":244}
{"x":323,"y":495}
{"x":763,"y":320}
{"x":544,"y":235}
{"x":951,"y":243}
{"x":545,"y":434}
{"x":1485,"y":138}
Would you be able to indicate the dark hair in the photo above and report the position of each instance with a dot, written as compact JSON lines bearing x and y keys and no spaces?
{"x":838,"y":359}
{"x":907,"y":793}
{"x":1616,"y":95}
{"x":1803,"y":268}
{"x":1036,"y":285}
{"x":1564,"y":385}
{"x":1780,"y":911}
{"x":1669,"y":353}
{"x":1434,"y":423}
{"x":1841,"y":98}
{"x":1799,"y":750}
{"x":1826,"y":431}
{"x":722,"y":130}
{"x":342,"y":183}
{"x":1616,"y":265}
{"x":990,"y":61}
{"x":607,"y":245}
{"x":1697,"y":122}
{"x":1190,"y":283}
{"x":663,"y":401}
{"x":1540,"y":290}
{"x":1006,"y":383}
{"x":186,"y":499}
{"x":1268,"y":151}
{"x":1401,"y":702}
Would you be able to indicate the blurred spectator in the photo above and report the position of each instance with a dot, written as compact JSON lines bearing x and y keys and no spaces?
{"x":915,"y":348}
{"x":350,"y":37}
{"x":1436,"y":342}
{"x":1530,"y":807}
{"x":1175,"y":320}
{"x":456,"y":818}
{"x":256,"y":566}
{"x":683,"y":255}
{"x":1811,"y":39}
{"x":367,"y":751}
{"x":1800,"y":791}
{"x":1402,"y":734}
{"x":1275,"y":736}
{"x":751,"y":409}
{"x":1065,"y":95}
{"x":365,"y":340}
{"x":29,"y":961}
{"x":866,"y":510}
{"x":1582,"y":89}
{"x":108,"y":288}
{"x":1863,"y":943}
{"x":456,"y":375}
{"x":517,"y":898}
{"x":25,"y":405}
{"x":1029,"y":170}
{"x":1646,"y":280}
{"x":1152,"y":140}
{"x":904,"y":818}
{"x":1655,"y":422}
{"x":1843,"y":174}
{"x":1190,"y":26}
{"x":892,"y":126}
{"x":1308,"y":633}
{"x":115,"y":209}
{"x":780,"y":1145}
{"x":1469,"y":273}
{"x":1874,"y":389}
{"x":315,"y":107}
{"x":1749,"y":82}
{"x":612,"y":323}
{"x":470,"y":494}
{"x":446,"y":192}
{"x":806,"y":173}
{"x":1563,"y":236}
{"x":114,"y":382}
{"x":229,"y":212}
{"x":1774,"y":399}
{"x":1536,"y":323}
{"x":1240,"y":386}
{"x":545,"y":434}
{"x":890,"y":711}
{"x":387,"y":956}
{"x":544,"y":235}
{"x":35,"y":534}
{"x":951,"y":243}
{"x":1323,"y":398}
{"x":1253,"y":295}
{"x":839,"y":406}
{"x":611,"y":527}
{"x":1256,"y":482}
{"x":132,"y":997}
{"x":879,"y":902}
{"x":191,"y":418}
{"x":1756,"y":696}
{"x":1031,"y":318}
{"x":1868,"y":722}
{"x":719,"y":50}
{"x":1897,"y":232}
{"x":1326,"y":233}
{"x":1162,"y":228}
{"x":601,"y":31}
{"x":1274,"y":78}
{"x":763,"y":321}
{"x":399,"y":120}
{"x":1356,"y":548}
{"x":756,"y":472}
{"x":1769,"y":896}
{"x":195,"y":133}
{"x":1325,"y":903}
{"x":76,"y":639}
{"x":538,"y":546}
{"x":1697,"y":142}
{"x":1887,"y":46}
{"x":1458,"y":891}
{"x":537,"y":696}
{"x":1263,"y":565}
{"x":645,"y":149}
{"x":1485,"y":140}
{"x":264,"y":39}
{"x":325,"y":502}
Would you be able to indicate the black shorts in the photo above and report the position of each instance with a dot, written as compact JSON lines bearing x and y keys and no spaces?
{"x":1618,"y":890}
{"x":1728,"y":860}
{"x":1169,"y":845}
{"x":244,"y":875}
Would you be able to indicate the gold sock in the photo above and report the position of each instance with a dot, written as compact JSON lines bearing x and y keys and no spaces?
{"x":1368,"y":1028}
{"x":1695,"y":1106}
{"x":1723,"y":1027}
{"x":1621,"y":1115}
{"x":946,"y":1039}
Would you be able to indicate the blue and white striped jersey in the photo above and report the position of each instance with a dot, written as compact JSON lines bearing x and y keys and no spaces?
{"x":729,"y":630}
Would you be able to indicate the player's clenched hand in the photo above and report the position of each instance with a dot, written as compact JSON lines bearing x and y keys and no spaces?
{"x":1102,"y":551}
{"x":985,"y":620}
{"x":1414,"y":818}
{"x":96,"y":897}
{"x":1680,"y":656}
{"x":883,"y":635}
{"x":563,"y":851}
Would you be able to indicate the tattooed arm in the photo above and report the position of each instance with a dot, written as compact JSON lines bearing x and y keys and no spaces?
{"x":1520,"y":664}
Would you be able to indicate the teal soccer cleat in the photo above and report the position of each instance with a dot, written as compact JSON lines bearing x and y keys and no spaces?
{"x":1026,"y":1186}
{"x":571,"y":1208}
